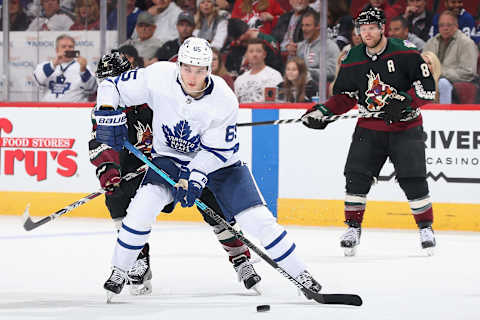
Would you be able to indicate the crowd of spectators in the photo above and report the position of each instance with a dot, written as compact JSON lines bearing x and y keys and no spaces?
{"x":289,"y":31}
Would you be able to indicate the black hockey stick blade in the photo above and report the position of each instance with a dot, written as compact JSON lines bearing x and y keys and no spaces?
{"x":337,"y":298}
{"x":29,"y":224}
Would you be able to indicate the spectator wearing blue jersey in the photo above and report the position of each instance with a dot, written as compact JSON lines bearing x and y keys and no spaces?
{"x":466,"y":23}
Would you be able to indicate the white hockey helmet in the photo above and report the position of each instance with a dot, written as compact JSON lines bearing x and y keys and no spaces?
{"x":197,"y":52}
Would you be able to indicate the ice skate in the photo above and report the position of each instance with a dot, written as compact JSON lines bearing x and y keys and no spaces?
{"x":246,"y":273}
{"x":351,"y":238}
{"x":427,"y":240}
{"x":307,"y":280}
{"x":115,"y":283}
{"x":140,"y":274}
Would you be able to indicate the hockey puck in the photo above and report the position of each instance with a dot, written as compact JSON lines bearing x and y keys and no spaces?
{"x":263,"y":308}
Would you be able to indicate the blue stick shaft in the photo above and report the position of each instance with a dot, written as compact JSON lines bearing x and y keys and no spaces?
{"x":165,"y":176}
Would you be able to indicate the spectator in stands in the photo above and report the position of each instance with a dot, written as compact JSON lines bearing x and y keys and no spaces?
{"x":53,"y":19}
{"x":457,"y":53}
{"x":419,"y":18}
{"x":132,"y":14}
{"x":297,"y":85}
{"x":261,"y":14}
{"x":340,"y":23}
{"x":356,"y":39}
{"x":165,"y":13}
{"x":131,"y":54}
{"x":288,"y":31}
{"x":185,"y":26}
{"x":218,"y":68}
{"x":390,"y":11}
{"x":399,"y":29}
{"x":435,"y":68}
{"x":465,"y":21}
{"x":145,"y":43}
{"x":86,"y":15}
{"x":65,"y":78}
{"x":308,"y":49}
{"x":189,"y":6}
{"x":209,"y":24}
{"x":225,"y":6}
{"x":18,"y":20}
{"x":238,"y":36}
{"x":33,"y":8}
{"x":250,"y":86}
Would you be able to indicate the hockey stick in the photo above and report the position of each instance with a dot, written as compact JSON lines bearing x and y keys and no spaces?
{"x":345,"y":299}
{"x":325,"y":118}
{"x":29,"y":224}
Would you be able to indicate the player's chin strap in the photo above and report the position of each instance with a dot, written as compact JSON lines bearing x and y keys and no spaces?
{"x":346,"y":299}
{"x":323,"y":118}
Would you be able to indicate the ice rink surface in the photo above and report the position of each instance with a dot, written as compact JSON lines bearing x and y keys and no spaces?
{"x":57,"y":272}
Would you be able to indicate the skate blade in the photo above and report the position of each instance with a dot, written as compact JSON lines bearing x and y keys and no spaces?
{"x":110,"y":295}
{"x":257,"y":289}
{"x":429,"y":251}
{"x":350,"y":252}
{"x":141,"y":289}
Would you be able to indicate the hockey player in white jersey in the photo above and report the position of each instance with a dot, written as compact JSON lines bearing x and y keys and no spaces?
{"x":195,"y":142}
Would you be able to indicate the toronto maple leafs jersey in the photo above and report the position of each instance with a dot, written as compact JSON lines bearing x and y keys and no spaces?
{"x":65,"y":82}
{"x":200,"y":133}
{"x":370,"y":80}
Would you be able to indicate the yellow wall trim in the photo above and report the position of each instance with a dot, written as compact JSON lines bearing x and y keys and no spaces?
{"x":378,"y":214}
{"x":307,"y":212}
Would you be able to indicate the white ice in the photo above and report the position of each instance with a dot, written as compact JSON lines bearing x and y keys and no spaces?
{"x":57,"y":272}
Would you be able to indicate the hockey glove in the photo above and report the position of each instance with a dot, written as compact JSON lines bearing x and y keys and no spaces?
{"x":111,"y":128}
{"x":313,"y":118}
{"x":180,"y":188}
{"x":395,"y":107}
{"x":109,"y":176}
{"x":196,"y":183}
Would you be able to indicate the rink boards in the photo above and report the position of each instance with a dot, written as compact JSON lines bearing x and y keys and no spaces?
{"x":44,"y":161}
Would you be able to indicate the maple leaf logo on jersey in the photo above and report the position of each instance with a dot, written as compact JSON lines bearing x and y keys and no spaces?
{"x":180,"y":139}
{"x":144,"y":137}
{"x":59,"y":86}
{"x":377,"y":92}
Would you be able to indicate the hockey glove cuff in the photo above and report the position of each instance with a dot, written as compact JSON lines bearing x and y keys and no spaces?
{"x":196,"y":183}
{"x":314,"y":118}
{"x":111,"y":128}
{"x":109,"y":176}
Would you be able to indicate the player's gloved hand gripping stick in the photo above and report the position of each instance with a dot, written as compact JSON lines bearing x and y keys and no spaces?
{"x":345,"y":299}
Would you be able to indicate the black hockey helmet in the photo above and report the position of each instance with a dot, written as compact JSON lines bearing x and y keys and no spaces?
{"x":111,"y":65}
{"x":370,"y":15}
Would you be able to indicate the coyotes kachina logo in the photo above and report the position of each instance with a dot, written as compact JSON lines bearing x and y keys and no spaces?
{"x":180,"y":139}
{"x":144,"y":137}
{"x":377,"y":92}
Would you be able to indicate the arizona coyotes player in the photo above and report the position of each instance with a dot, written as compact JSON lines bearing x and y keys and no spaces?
{"x":388,"y":76}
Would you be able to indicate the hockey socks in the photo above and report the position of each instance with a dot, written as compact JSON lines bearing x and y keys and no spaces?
{"x":355,"y":207}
